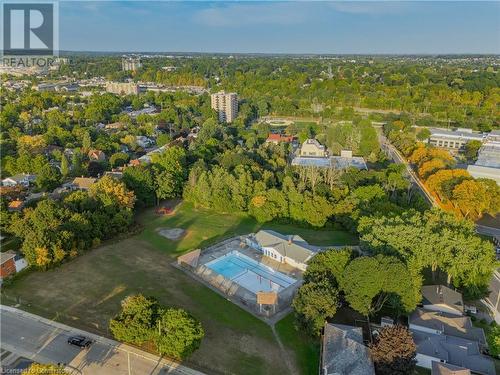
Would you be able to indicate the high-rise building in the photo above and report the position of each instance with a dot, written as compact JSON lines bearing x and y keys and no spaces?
{"x":123,"y":88}
{"x":226,"y":105}
{"x":131,"y":63}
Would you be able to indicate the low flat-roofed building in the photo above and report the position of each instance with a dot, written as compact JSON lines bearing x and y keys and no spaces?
{"x":123,"y":88}
{"x":335,"y":162}
{"x":487,"y":164}
{"x":343,"y":351}
{"x":453,"y":139}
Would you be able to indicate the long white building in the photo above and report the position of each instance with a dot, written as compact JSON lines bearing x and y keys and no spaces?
{"x":488,"y":159}
{"x":453,"y":140}
{"x":226,"y":105}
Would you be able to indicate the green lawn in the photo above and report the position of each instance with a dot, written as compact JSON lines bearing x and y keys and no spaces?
{"x":305,"y":348}
{"x":204,"y":227}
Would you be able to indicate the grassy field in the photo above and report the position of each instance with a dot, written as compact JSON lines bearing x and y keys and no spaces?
{"x":306,"y":350}
{"x":86,"y":292}
{"x":205,"y":227}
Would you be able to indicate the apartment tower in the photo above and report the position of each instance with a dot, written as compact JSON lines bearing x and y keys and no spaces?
{"x":226,"y":105}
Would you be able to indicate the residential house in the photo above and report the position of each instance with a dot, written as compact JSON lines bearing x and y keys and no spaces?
{"x":439,"y":368}
{"x":442,"y":323}
{"x":115,"y":174}
{"x":492,"y":301}
{"x":292,"y":249}
{"x":7,"y":264}
{"x":453,"y":350}
{"x":22,"y":179}
{"x":114,"y":126}
{"x":312,"y":148}
{"x":15,"y":206}
{"x":83,"y":183}
{"x":441,"y":298}
{"x":143,"y":141}
{"x":343,"y":351}
{"x":279,"y":138}
{"x":97,"y":155}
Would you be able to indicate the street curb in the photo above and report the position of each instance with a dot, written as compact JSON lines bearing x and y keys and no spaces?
{"x":172,"y":366}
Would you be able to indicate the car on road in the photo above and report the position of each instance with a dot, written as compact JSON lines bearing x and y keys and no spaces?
{"x":81,"y":341}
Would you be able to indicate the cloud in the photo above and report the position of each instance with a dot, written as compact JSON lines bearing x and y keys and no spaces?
{"x":244,"y":14}
{"x":370,"y":7}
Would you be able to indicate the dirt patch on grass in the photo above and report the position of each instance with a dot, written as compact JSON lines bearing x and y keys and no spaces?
{"x":173,"y":234}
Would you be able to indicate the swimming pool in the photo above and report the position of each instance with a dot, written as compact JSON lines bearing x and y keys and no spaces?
{"x":250,"y":274}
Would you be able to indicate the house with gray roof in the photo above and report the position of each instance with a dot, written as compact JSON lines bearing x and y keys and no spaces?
{"x":453,"y":350}
{"x":21,"y":179}
{"x":492,"y":301}
{"x":343,"y":351}
{"x":445,"y":324}
{"x":290,"y":249}
{"x":441,"y":298}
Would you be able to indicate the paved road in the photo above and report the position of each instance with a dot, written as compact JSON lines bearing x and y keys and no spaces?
{"x":399,"y":159}
{"x":45,"y":341}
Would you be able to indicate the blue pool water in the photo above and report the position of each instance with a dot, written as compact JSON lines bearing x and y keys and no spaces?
{"x":250,"y":274}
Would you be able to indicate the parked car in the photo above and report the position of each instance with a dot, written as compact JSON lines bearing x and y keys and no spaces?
{"x":81,"y":341}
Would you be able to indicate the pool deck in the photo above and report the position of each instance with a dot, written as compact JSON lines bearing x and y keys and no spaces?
{"x":237,"y":293}
{"x":219,"y":250}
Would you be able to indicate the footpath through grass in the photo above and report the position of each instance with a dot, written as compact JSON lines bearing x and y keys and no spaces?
{"x":305,"y":348}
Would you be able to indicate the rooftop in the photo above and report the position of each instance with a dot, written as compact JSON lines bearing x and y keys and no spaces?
{"x":453,"y":350}
{"x":4,"y":257}
{"x":448,"y":324}
{"x":459,"y":134}
{"x":442,"y":295}
{"x":343,"y":351}
{"x":336,"y":162}
{"x":439,"y":368}
{"x":291,"y":246}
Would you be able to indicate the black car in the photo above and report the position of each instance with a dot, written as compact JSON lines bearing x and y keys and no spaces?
{"x":81,"y":341}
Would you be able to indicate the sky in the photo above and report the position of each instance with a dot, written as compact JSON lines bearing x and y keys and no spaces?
{"x":372,"y":27}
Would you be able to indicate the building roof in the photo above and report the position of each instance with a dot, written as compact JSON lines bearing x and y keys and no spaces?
{"x":453,"y":350}
{"x":4,"y":257}
{"x":273,"y":137}
{"x":440,"y":368}
{"x":448,"y":324}
{"x":343,"y":351}
{"x":20,"y":177}
{"x":336,"y":162}
{"x":84,"y":182}
{"x":267,"y":298}
{"x":291,"y":246}
{"x":16,"y":204}
{"x":442,"y":295}
{"x":478,"y":171}
{"x":459,"y":134}
{"x":96,"y":154}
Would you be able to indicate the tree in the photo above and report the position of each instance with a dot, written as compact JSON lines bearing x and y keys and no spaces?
{"x":178,"y":335}
{"x":328,"y":265}
{"x":110,"y":192}
{"x":118,"y":159}
{"x":140,"y":180}
{"x":370,"y":282}
{"x":394,"y":351}
{"x":434,"y":239}
{"x":65,"y":169}
{"x":314,"y":303}
{"x":170,"y":172}
{"x":135,"y":323}
{"x":48,"y":178}
{"x":493,"y":339}
{"x":471,"y":150}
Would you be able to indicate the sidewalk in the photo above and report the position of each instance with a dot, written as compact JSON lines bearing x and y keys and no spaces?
{"x":169,"y":365}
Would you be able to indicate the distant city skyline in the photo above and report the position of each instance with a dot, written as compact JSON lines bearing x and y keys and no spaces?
{"x":281,"y":27}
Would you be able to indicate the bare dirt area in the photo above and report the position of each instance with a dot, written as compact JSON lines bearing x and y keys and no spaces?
{"x":173,"y":234}
{"x":86,"y":292}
